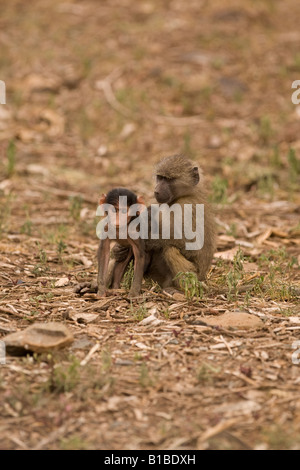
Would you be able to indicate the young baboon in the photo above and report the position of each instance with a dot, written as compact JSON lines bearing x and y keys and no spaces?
{"x":116,"y":205}
{"x":177,"y":182}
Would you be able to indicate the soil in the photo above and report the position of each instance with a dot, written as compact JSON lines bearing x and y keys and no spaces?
{"x":96,"y":94}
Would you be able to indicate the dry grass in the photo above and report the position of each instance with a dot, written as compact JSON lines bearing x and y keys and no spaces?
{"x":96,"y":93}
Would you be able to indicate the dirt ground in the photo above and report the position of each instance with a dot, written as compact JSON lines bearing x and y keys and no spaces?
{"x":96,"y":93}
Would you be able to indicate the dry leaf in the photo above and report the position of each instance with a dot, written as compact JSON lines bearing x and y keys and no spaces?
{"x":83,"y":317}
{"x":56,"y":122}
{"x":264,"y":236}
{"x":38,"y":83}
{"x":81,"y":258}
{"x":36,"y":169}
{"x":127,"y":130}
{"x":151,"y":320}
{"x":294,"y":319}
{"x":63,"y":281}
{"x":228,"y":254}
{"x":141,"y":345}
{"x":242,"y":407}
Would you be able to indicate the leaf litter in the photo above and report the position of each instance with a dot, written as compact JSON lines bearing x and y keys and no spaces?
{"x":161,"y":371}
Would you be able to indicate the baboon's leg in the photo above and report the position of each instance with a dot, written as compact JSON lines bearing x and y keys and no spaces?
{"x":119,"y":269}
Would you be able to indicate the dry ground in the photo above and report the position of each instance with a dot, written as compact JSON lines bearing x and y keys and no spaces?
{"x":97,"y":92}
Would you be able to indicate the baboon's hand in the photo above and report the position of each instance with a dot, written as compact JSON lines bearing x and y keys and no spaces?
{"x":119,"y":252}
{"x":134,"y":293}
{"x":101,"y":291}
{"x":86,"y":287}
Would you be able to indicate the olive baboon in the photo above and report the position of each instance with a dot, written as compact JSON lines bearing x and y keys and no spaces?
{"x":178,"y":182}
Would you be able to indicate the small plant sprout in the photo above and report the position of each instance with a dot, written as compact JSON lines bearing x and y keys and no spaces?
{"x":294,"y":166}
{"x":190,"y":284}
{"x":145,"y":379}
{"x":61,"y":247}
{"x":219,"y":190}
{"x":128,"y":276}
{"x":26,"y":228}
{"x":265,"y":129}
{"x":106,"y":360}
{"x":236,"y":274}
{"x":63,"y":377}
{"x":138,"y":313}
{"x":11,"y":158}
{"x":75,"y":206}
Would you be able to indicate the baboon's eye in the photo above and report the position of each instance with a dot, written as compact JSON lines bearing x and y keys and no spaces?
{"x":169,"y":180}
{"x":164,"y":178}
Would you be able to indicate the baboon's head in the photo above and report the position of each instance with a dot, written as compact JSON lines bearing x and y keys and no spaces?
{"x":176,"y":176}
{"x":119,"y":201}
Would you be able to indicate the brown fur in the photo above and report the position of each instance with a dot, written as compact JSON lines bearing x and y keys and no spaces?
{"x":180,"y":174}
{"x":179,"y":181}
{"x":176,"y":166}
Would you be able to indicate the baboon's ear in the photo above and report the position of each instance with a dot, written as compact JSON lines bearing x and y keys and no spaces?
{"x":195,"y":175}
{"x":141,"y":202}
{"x":102,"y":199}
